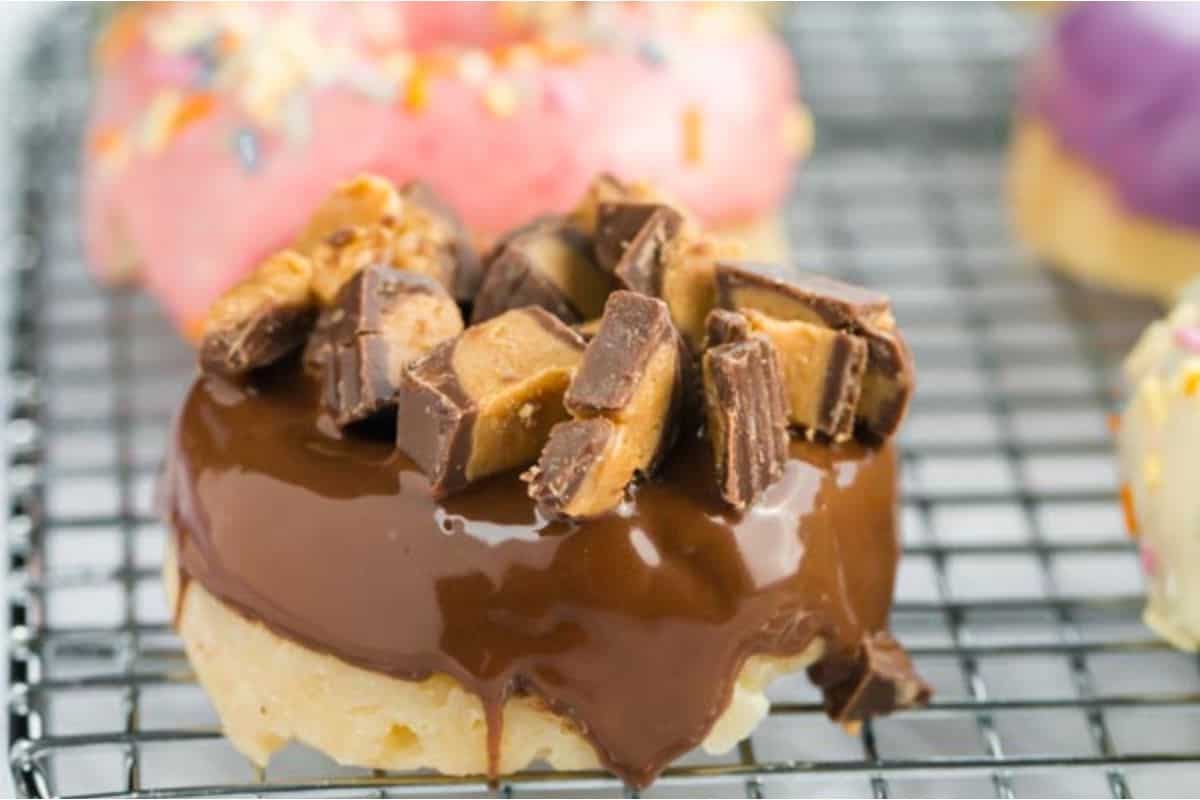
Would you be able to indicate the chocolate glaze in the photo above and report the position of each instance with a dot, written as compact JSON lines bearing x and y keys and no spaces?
{"x":633,"y":625}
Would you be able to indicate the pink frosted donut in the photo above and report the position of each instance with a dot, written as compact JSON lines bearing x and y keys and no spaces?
{"x":216,"y":130}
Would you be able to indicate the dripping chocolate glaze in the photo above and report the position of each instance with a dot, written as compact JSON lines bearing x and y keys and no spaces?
{"x":634,"y":625}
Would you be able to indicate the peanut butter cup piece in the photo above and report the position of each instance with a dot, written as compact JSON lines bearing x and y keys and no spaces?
{"x":363,"y":201}
{"x":383,"y":319}
{"x":410,"y":230}
{"x":484,"y":402}
{"x":885,"y":681}
{"x":810,"y":298}
{"x":725,"y":327}
{"x":652,"y":249}
{"x":689,"y":280}
{"x":607,"y":188}
{"x":747,"y":417}
{"x":425,"y":241}
{"x":260,"y":320}
{"x":547,"y":264}
{"x":823,"y":372}
{"x":628,"y":401}
{"x":629,"y":242}
{"x":887,"y":381}
{"x":460,"y":247}
{"x":345,"y":253}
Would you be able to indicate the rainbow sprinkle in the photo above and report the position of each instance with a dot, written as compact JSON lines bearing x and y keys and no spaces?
{"x":416,"y":91}
{"x":1131,"y":524}
{"x":192,"y":109}
{"x":1149,"y":559}
{"x":693,"y":135}
{"x":248,"y":149}
{"x":651,"y":53}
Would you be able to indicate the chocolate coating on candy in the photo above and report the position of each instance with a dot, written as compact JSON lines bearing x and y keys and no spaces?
{"x":634,"y":331}
{"x":812,"y":298}
{"x":569,"y":479}
{"x":885,"y":680}
{"x":887,"y":382}
{"x":547,"y":264}
{"x":725,"y":327}
{"x":608,"y":188}
{"x":631,"y":240}
{"x":635,"y":376}
{"x":341,"y":544}
{"x":383,"y":319}
{"x":747,"y":418}
{"x":823,"y":373}
{"x":261,"y":319}
{"x":484,"y":402}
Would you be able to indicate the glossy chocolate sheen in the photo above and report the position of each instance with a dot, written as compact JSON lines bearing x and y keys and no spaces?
{"x":633,"y":625}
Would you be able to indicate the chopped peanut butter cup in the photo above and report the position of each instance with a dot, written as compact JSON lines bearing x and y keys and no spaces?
{"x":823,"y":373}
{"x":634,"y":377}
{"x":383,"y":320}
{"x":884,"y":681}
{"x":360,"y":202}
{"x":747,"y":417}
{"x":791,"y":313}
{"x":261,"y":319}
{"x":417,"y":234}
{"x":484,"y":401}
{"x":630,"y":241}
{"x":810,"y":298}
{"x":725,"y":327}
{"x":547,"y":264}
{"x":455,"y":238}
{"x":610,"y":189}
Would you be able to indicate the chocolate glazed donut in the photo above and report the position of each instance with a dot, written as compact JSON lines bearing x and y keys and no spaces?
{"x":632,"y":625}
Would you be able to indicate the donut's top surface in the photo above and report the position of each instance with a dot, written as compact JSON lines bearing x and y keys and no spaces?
{"x":216,"y":130}
{"x":634,"y":625}
{"x":1119,"y":84}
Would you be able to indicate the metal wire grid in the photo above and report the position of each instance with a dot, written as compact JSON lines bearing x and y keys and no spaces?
{"x":1018,"y":596}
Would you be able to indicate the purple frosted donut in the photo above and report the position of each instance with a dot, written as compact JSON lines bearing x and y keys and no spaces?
{"x":1105,"y":176}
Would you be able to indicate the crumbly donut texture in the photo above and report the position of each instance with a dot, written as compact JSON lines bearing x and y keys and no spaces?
{"x":1070,"y":215}
{"x":1159,"y":437}
{"x":269,"y":690}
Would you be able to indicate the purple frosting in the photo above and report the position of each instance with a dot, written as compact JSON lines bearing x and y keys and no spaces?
{"x":1120,"y":85}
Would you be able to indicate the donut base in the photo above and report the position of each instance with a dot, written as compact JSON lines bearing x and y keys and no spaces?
{"x":269,"y":690}
{"x":1071,"y":217}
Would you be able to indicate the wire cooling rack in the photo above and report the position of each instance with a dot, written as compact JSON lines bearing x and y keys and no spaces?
{"x":1019,"y":594}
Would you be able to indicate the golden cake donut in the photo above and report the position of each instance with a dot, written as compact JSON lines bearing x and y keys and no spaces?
{"x":216,"y":129}
{"x":573,"y":530}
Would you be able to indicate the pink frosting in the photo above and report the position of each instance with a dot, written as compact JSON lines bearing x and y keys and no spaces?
{"x":197,"y":216}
